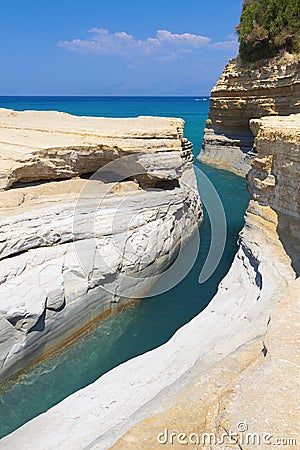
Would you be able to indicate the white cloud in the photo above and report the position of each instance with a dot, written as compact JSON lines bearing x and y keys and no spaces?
{"x":164,"y":46}
{"x":226,"y":45}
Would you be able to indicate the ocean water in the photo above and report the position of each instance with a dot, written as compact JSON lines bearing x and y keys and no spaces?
{"x":150,"y":322}
{"x":193,"y":109}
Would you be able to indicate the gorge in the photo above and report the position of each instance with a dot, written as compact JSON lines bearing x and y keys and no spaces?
{"x":241,"y":334}
{"x":149,"y":296}
{"x":234,"y":362}
{"x":239,"y":337}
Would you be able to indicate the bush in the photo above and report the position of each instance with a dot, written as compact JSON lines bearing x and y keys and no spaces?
{"x":267,"y":27}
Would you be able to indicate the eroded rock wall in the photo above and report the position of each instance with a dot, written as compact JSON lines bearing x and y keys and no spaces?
{"x":241,"y":94}
{"x":49,"y":145}
{"x":274,"y":179}
{"x":72,"y":250}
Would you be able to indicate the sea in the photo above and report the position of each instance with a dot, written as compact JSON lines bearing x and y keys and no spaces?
{"x":152,"y":321}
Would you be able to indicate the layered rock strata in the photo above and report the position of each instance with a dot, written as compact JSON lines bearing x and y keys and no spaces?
{"x":71,"y":250}
{"x":243,"y":93}
{"x":40,"y":145}
{"x":224,"y":366}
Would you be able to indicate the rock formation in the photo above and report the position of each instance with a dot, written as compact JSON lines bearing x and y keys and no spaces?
{"x":243,"y":93}
{"x":234,"y":362}
{"x":37,"y":145}
{"x":71,"y":250}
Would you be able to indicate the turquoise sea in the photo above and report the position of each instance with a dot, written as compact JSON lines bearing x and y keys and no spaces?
{"x":152,"y":321}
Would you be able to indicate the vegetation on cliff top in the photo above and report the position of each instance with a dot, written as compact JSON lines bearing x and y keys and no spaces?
{"x":268,"y":27}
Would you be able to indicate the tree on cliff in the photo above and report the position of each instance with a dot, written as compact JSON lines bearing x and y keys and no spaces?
{"x":268,"y":26}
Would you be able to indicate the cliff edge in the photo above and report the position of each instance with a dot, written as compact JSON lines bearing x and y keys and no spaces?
{"x":244,"y":92}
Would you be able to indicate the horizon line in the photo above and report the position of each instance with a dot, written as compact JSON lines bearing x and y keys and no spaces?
{"x":108,"y":96}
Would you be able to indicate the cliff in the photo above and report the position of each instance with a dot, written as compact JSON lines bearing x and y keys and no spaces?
{"x":234,"y":363}
{"x":72,"y":249}
{"x":243,"y":93}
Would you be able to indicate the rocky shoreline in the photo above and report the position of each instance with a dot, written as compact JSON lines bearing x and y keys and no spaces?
{"x":243,"y":93}
{"x":233,"y":362}
{"x":71,"y":250}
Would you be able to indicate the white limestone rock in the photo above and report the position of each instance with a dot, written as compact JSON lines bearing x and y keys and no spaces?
{"x":70,"y":251}
{"x":40,"y":145}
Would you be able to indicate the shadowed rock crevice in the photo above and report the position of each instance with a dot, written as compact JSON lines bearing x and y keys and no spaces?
{"x":254,"y":263}
{"x":289,"y":234}
{"x":40,"y":325}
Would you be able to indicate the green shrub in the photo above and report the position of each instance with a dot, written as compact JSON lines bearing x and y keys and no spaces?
{"x":267,"y":27}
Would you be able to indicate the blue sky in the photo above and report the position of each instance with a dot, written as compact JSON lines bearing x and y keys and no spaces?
{"x":114,"y":47}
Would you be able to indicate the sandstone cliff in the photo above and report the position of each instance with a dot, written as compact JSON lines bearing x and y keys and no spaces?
{"x":235,"y":362}
{"x":72,"y":250}
{"x":244,"y":93}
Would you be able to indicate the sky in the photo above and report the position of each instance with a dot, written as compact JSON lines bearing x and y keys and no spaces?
{"x":114,"y":47}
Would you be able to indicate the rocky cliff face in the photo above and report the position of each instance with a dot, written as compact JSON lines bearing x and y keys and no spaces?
{"x":274,"y":179}
{"x":72,"y":250}
{"x":241,"y":94}
{"x":235,"y":362}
